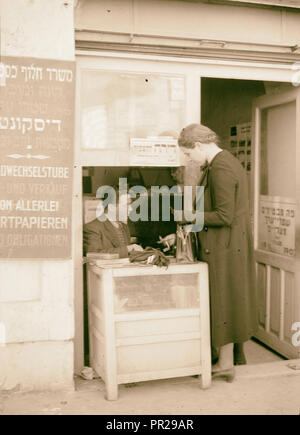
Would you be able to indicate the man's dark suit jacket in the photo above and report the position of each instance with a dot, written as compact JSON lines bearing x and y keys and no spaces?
{"x":103,"y":237}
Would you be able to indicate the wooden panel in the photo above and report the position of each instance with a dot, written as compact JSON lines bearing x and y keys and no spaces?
{"x":95,"y":322}
{"x":151,"y":270}
{"x":275,"y":282}
{"x":203,"y":289}
{"x":276,"y":260}
{"x":98,"y":355}
{"x":282,"y":309}
{"x":289,"y":306}
{"x":161,"y":314}
{"x":283,"y":348}
{"x":97,"y":313}
{"x":96,"y":295}
{"x":261,"y":290}
{"x":162,"y":374}
{"x":90,"y":290}
{"x":155,"y":357}
{"x":161,"y":338}
{"x":132,"y":346}
{"x":157,"y":326}
{"x":282,"y":296}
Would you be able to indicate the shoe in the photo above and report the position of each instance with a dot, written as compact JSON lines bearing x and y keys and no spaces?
{"x":240,"y":360}
{"x":214,"y":355}
{"x":228,"y":375}
{"x":238,"y":354}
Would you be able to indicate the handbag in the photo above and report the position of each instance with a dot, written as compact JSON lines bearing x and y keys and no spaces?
{"x":186,"y":244}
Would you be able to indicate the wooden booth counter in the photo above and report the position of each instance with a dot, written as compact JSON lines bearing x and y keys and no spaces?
{"x":147,"y":322}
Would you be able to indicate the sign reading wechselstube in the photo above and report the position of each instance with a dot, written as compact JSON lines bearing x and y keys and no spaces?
{"x":36,"y":157}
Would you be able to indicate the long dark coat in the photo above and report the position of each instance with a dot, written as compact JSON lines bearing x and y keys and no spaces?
{"x":226,"y":245}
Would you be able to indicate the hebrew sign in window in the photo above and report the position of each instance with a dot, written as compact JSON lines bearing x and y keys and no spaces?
{"x":36,"y":157}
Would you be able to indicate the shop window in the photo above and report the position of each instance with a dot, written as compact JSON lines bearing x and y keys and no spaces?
{"x":117,"y":106}
{"x":277,"y":201}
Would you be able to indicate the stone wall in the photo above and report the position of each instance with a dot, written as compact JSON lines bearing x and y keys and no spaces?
{"x":36,"y":297}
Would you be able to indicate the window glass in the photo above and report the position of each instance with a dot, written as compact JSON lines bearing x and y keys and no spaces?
{"x":135,"y":293}
{"x":277,"y":202}
{"x":116,"y":106}
{"x":278,"y":151}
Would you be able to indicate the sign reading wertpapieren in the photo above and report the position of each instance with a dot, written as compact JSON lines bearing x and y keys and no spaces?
{"x":36,"y":157}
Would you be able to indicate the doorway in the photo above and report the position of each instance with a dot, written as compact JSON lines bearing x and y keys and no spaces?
{"x":256,"y":122}
{"x":167,"y":87}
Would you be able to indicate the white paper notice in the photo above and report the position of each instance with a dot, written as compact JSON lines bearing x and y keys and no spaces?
{"x":154,"y":151}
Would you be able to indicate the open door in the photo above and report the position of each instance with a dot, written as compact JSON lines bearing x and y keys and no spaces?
{"x":276,"y":217}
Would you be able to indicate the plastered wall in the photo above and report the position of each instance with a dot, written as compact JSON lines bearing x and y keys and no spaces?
{"x":189,"y":20}
{"x":37,"y":28}
{"x":36,"y":297}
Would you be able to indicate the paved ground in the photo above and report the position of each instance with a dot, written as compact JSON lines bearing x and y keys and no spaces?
{"x":270,"y":388}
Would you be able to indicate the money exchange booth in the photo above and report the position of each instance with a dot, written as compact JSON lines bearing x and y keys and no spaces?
{"x":148,"y":323}
{"x":144,"y":322}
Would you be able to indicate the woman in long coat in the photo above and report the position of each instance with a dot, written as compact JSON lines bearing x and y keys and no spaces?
{"x":226,"y":243}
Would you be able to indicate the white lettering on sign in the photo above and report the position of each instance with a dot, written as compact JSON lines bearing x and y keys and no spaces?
{"x":37,"y":205}
{"x":36,"y":128}
{"x":33,"y":222}
{"x":27,"y":124}
{"x":33,"y":240}
{"x":6,"y":204}
{"x":34,"y":171}
{"x":50,"y":92}
{"x":48,"y":189}
{"x":61,"y":75}
{"x":32,"y":72}
{"x":8,"y":71}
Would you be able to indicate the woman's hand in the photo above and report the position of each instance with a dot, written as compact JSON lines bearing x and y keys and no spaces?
{"x":167,"y":241}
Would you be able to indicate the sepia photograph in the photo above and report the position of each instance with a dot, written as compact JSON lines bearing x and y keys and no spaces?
{"x":149,"y":210}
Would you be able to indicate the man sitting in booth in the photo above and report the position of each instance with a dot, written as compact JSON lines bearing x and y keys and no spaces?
{"x":109,"y":232}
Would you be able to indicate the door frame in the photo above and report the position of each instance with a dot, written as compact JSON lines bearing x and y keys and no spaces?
{"x":285,"y":264}
{"x":193,"y":69}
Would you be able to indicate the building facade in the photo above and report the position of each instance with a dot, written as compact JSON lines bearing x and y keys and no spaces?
{"x":227,"y":63}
